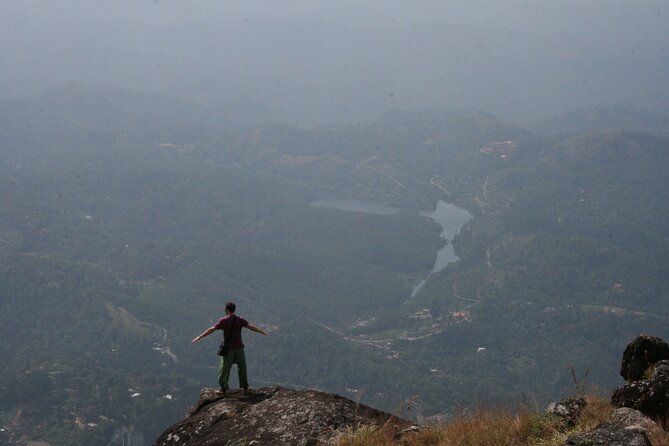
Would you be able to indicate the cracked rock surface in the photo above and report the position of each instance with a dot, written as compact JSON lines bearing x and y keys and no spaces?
{"x":272,"y":416}
{"x":608,"y":434}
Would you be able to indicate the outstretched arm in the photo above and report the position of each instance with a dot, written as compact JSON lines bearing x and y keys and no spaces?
{"x":205,"y":333}
{"x":256,"y":329}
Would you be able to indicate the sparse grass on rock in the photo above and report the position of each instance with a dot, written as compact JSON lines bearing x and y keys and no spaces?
{"x":495,"y":427}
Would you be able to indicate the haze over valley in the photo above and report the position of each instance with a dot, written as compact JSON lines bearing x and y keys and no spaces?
{"x":435,"y":203}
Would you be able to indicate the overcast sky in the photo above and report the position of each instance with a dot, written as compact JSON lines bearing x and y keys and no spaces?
{"x":313,"y":62}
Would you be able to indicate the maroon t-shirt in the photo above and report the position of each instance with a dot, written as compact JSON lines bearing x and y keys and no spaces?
{"x":232,"y":330}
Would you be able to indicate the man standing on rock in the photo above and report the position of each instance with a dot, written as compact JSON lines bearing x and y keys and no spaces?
{"x":232,"y":349}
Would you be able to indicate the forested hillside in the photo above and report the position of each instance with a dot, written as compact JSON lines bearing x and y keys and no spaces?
{"x":121,"y":239}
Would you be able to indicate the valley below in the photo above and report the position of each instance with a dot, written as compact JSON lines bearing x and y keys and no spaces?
{"x":448,"y":261}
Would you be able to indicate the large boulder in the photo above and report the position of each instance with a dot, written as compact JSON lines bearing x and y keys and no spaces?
{"x":640,"y":354}
{"x":609,"y":434}
{"x":649,"y":396}
{"x":633,"y":419}
{"x":272,"y":416}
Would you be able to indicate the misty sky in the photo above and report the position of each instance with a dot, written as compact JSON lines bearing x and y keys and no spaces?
{"x":310,"y":62}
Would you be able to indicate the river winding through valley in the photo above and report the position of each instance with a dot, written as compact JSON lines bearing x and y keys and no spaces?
{"x":451,"y":219}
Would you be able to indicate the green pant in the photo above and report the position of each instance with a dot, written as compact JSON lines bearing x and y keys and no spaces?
{"x":233,"y":356}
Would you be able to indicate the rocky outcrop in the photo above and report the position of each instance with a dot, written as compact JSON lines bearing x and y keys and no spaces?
{"x":649,"y":396}
{"x":280,"y":416}
{"x":568,"y":409}
{"x":639,"y":402}
{"x":272,"y":416}
{"x":641,"y":354}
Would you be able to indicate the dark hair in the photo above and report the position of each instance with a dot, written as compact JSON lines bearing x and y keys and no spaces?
{"x":231,"y":307}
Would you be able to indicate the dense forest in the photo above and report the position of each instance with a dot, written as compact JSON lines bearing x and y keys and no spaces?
{"x":127,"y":222}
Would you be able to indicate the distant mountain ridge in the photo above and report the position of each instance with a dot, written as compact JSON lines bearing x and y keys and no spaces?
{"x":599,"y":119}
{"x":103,"y":109}
{"x":613,"y":146}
